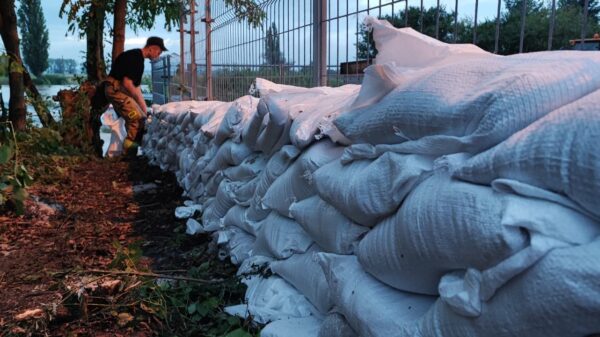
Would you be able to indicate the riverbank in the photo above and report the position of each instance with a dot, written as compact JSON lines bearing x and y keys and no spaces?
{"x":99,"y":252}
{"x":48,"y":79}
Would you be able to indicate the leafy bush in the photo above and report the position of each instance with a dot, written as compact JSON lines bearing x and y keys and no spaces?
{"x":14,"y":178}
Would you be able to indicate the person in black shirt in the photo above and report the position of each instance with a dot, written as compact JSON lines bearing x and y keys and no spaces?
{"x":122,"y":89}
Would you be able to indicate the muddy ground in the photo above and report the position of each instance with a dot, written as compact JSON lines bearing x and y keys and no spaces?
{"x":67,"y":266}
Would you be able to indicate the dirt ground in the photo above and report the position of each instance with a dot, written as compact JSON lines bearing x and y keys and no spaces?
{"x":71,"y":232}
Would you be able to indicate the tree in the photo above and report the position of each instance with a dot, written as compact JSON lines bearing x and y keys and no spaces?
{"x":8,"y":29}
{"x":273,"y":54}
{"x":34,"y":33}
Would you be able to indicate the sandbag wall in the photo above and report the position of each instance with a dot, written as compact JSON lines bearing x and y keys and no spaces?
{"x":457,"y":199}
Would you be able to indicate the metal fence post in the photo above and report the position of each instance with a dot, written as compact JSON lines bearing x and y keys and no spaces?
{"x":320,"y":42}
{"x":168,"y":79}
{"x":208,"y":20}
{"x":181,"y":50}
{"x":193,"y":71}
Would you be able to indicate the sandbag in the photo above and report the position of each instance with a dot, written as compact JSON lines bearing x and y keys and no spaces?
{"x":370,"y":307}
{"x":276,"y":165}
{"x":296,"y":182}
{"x":558,"y":153}
{"x":366,"y":191}
{"x":472,"y":105}
{"x":236,"y":216}
{"x":297,"y":327}
{"x":335,"y":325}
{"x":305,"y":274}
{"x":229,"y":154}
{"x":447,"y":225}
{"x":212,"y":124}
{"x":280,"y":237}
{"x":413,"y":50}
{"x":235,"y":119}
{"x":278,"y":124}
{"x":330,"y":229}
{"x":310,"y":114}
{"x":252,"y":165}
{"x":235,"y":243}
{"x":271,"y":299}
{"x":558,"y":297}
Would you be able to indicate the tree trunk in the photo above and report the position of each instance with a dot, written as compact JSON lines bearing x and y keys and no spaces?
{"x":38,"y":102}
{"x":119,"y":28}
{"x":95,"y":66}
{"x":8,"y":29}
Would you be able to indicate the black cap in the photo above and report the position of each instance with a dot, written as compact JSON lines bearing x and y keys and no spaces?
{"x":156,"y":41}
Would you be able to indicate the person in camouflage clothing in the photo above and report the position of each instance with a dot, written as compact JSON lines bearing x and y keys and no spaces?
{"x":122,"y":89}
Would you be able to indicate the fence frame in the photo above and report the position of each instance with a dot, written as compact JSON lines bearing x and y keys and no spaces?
{"x":202,"y":22}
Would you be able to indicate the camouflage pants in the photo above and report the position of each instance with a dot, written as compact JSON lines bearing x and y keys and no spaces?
{"x":126,"y":107}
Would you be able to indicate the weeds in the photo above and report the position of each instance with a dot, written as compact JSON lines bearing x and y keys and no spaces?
{"x":14,"y":177}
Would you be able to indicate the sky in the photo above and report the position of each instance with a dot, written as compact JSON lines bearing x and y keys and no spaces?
{"x":66,"y":45}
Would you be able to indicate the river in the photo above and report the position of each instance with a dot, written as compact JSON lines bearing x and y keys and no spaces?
{"x":47,"y":91}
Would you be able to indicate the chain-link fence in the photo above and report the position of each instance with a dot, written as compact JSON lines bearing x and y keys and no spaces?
{"x":322,"y":42}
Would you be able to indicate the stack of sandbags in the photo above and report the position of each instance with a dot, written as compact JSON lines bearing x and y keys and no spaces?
{"x":461,"y":185}
{"x":468,"y":243}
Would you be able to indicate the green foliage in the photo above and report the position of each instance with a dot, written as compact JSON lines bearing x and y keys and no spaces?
{"x":34,"y":35}
{"x":186,"y":308}
{"x":14,"y":177}
{"x":567,"y":26}
{"x":54,"y":79}
{"x":139,"y":14}
{"x":248,"y":10}
{"x":3,"y":65}
{"x":273,"y":54}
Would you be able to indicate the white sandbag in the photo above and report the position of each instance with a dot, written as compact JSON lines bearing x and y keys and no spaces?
{"x":558,"y":153}
{"x":446,"y":225}
{"x":212,"y":125}
{"x":280,"y":237}
{"x":248,"y":169}
{"x":235,"y":119}
{"x":366,"y":191}
{"x":255,"y":124}
{"x":204,"y":114}
{"x":239,"y":245}
{"x":271,"y":299}
{"x":409,"y":48}
{"x":193,"y":227}
{"x":184,"y":212}
{"x":117,"y":132}
{"x":309,"y":115}
{"x":558,"y":297}
{"x":278,"y":124}
{"x":212,"y":185}
{"x":378,"y":81}
{"x":243,"y":193}
{"x":335,"y":325}
{"x":223,"y":202}
{"x":370,"y":307}
{"x":276,"y":165}
{"x":236,"y":216}
{"x":229,"y":154}
{"x":297,"y":327}
{"x":330,"y":229}
{"x":296,"y":182}
{"x":472,"y":105}
{"x":305,"y":274}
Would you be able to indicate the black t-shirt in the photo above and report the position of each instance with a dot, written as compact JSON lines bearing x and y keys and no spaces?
{"x":129,"y":63}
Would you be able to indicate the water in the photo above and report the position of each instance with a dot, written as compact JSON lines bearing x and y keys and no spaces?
{"x":47,"y":91}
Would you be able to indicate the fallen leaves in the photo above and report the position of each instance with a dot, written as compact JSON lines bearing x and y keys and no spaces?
{"x":31,"y":313}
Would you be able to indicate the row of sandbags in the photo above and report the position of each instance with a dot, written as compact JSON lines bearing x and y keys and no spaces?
{"x":456,"y":199}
